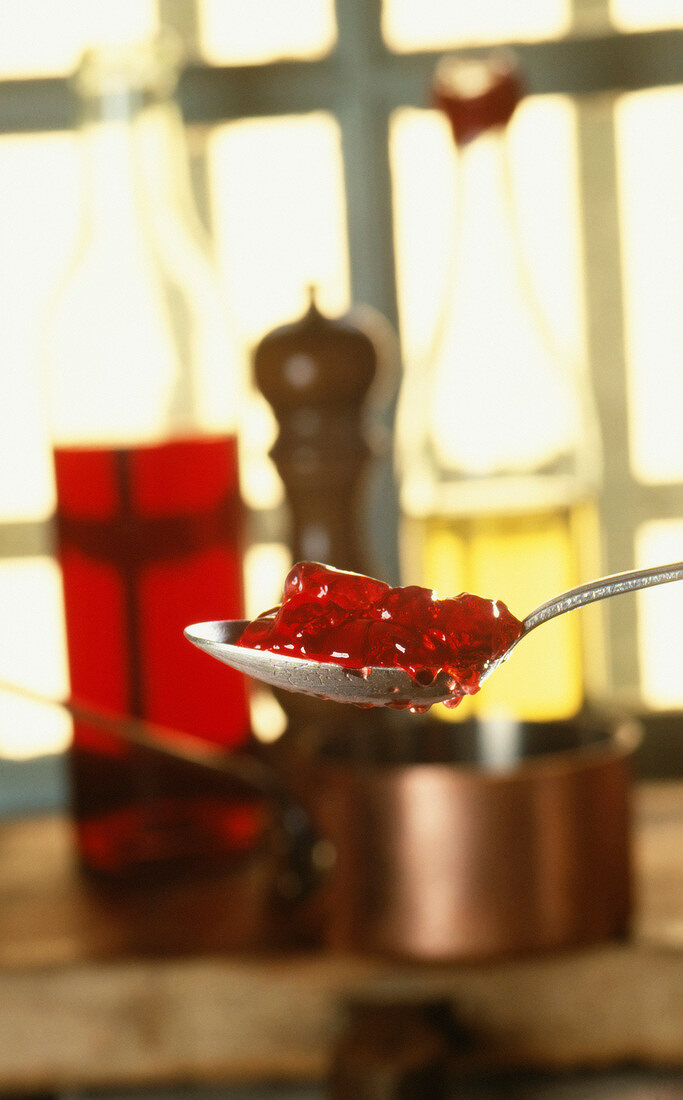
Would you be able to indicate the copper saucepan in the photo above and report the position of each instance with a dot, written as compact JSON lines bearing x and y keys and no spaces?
{"x":517,"y":848}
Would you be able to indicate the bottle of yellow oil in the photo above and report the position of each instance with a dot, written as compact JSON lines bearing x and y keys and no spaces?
{"x":497,"y":440}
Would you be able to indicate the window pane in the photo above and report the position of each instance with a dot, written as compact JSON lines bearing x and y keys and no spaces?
{"x":46,"y":37}
{"x":650,"y":166}
{"x":280,"y":226}
{"x":640,"y":15}
{"x":37,"y":231}
{"x":424,"y":165}
{"x":232,"y":32}
{"x":660,"y":616}
{"x":432,"y":24}
{"x":32,"y":656}
{"x":279,"y":217}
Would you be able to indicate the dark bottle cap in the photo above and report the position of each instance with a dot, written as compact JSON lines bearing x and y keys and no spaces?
{"x":477,"y":93}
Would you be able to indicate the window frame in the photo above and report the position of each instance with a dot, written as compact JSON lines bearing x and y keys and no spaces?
{"x":361,"y":83}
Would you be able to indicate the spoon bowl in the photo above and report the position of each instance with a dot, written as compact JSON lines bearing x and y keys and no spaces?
{"x":393,"y":687}
{"x":377,"y":687}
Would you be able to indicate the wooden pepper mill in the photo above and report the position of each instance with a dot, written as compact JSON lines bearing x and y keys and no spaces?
{"x":316,"y":374}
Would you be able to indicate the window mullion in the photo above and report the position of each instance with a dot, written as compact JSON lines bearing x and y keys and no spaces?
{"x":26,"y":538}
{"x":364,"y":120}
{"x":606,"y":356}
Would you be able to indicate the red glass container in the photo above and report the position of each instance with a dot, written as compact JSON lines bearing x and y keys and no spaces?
{"x":145,"y":396}
{"x":149,"y":537}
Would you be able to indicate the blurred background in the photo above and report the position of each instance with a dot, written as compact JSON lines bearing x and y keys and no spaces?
{"x":317,"y":160}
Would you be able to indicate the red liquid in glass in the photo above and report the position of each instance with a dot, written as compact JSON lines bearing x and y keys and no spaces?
{"x":149,"y":539}
{"x":358,"y":622}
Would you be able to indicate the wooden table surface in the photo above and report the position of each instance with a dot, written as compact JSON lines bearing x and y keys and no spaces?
{"x":177,"y":983}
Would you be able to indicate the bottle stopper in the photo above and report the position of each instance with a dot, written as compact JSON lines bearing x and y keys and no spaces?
{"x":477,"y":93}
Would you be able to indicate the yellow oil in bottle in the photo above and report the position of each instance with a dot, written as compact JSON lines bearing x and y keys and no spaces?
{"x":523,"y":559}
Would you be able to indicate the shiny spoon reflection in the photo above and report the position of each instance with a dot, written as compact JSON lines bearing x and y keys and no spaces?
{"x":377,"y":686}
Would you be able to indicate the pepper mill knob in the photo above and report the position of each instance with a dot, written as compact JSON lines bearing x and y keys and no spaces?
{"x":316,"y":373}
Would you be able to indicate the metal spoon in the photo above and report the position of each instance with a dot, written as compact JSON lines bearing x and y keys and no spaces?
{"x":383,"y":686}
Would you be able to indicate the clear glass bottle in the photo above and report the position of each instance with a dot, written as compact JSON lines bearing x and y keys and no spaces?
{"x":145,"y":395}
{"x":497,"y":437}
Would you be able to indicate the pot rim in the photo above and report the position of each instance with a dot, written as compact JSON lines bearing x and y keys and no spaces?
{"x":617,"y":739}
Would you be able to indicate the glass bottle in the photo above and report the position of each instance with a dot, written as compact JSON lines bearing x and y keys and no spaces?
{"x":497,"y":438}
{"x":144,"y":400}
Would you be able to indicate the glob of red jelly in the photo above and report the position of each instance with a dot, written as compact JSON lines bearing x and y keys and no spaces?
{"x":328,"y":615}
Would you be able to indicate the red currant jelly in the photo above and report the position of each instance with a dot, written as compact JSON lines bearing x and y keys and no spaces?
{"x":330,"y":615}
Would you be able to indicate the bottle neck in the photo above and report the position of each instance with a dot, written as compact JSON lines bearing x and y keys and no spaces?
{"x":495,"y":362}
{"x":138,"y":320}
{"x":486,"y":243}
{"x":133,"y":162}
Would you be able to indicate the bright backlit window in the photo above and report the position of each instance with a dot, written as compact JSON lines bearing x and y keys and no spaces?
{"x":36,"y":236}
{"x":660,"y":616}
{"x":643,"y":15}
{"x":32,"y":657}
{"x":47,"y":37}
{"x":432,"y":24}
{"x":280,"y":227}
{"x":279,"y":217}
{"x":270,"y":31}
{"x":651,"y":184}
{"x":341,"y":178}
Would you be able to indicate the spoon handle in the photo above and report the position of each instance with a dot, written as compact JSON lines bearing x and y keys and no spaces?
{"x":602,"y":588}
